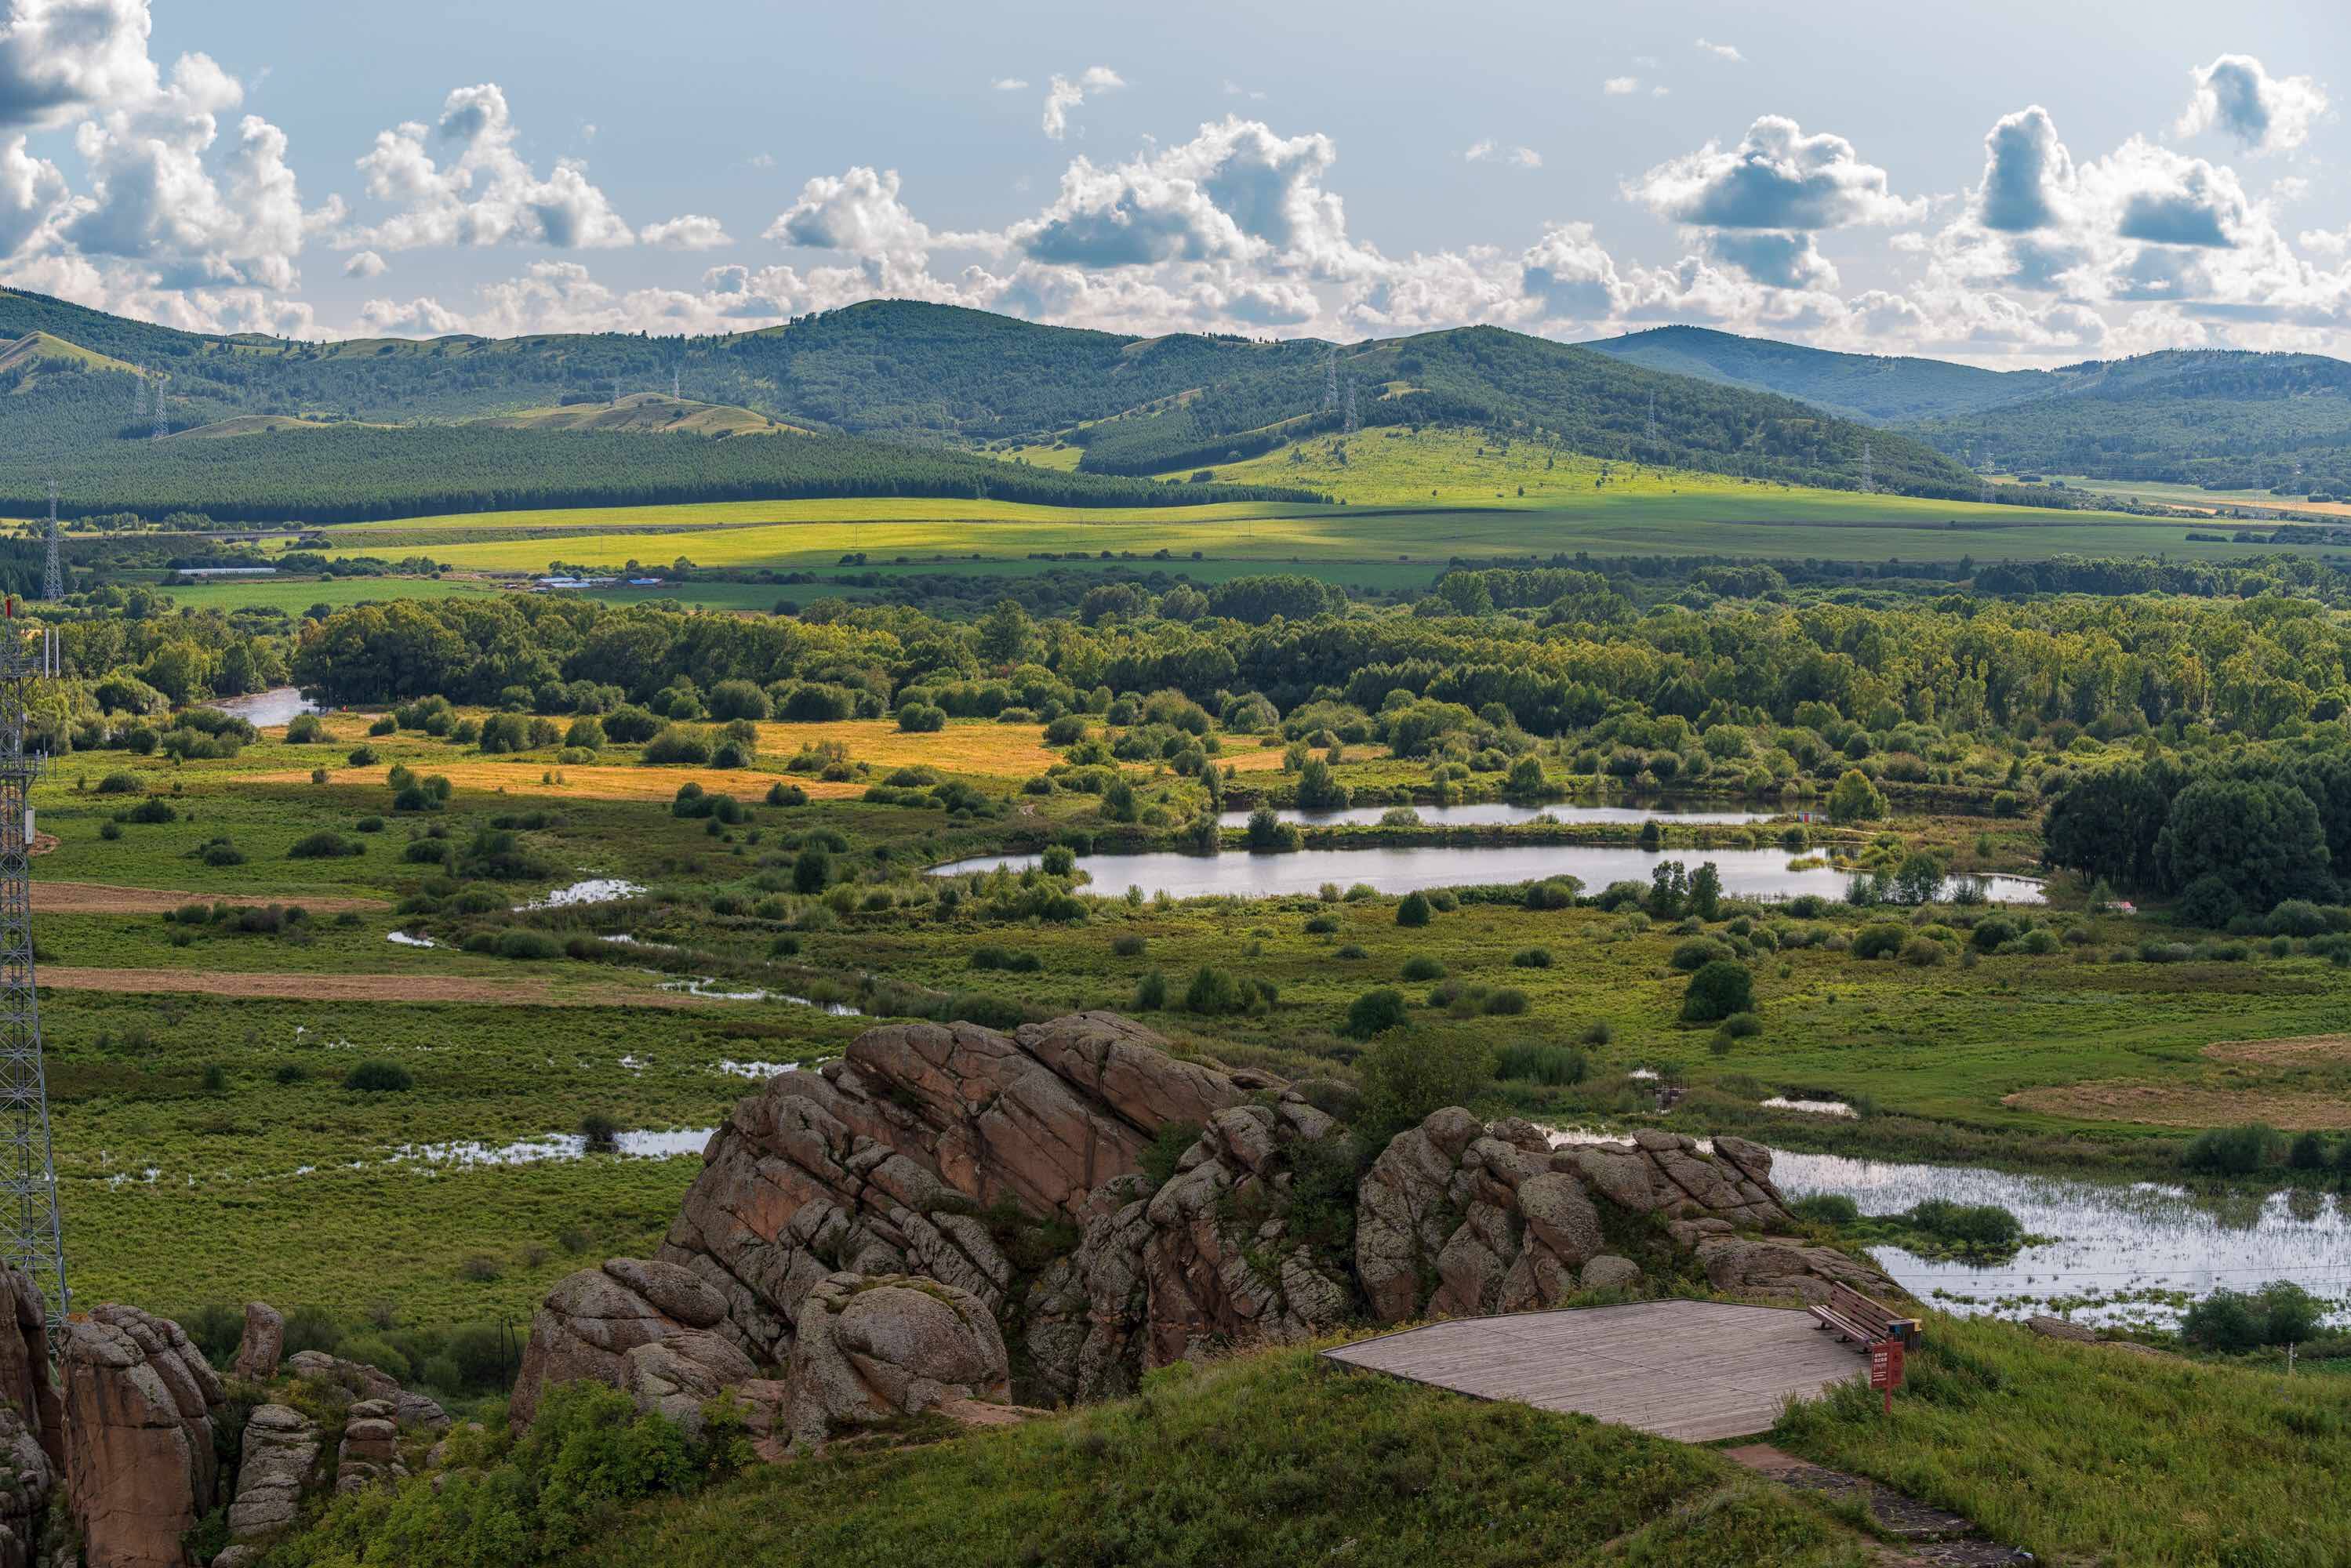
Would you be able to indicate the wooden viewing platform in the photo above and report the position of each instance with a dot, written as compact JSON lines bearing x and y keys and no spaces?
{"x":1696,"y":1371}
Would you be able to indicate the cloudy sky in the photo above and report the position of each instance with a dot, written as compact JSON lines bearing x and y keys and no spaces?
{"x":2003,"y":181}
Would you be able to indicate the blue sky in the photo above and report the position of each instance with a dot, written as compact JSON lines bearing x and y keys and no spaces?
{"x":2001,"y":183}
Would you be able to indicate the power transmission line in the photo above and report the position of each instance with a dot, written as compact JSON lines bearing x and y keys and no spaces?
{"x":32,"y":1234}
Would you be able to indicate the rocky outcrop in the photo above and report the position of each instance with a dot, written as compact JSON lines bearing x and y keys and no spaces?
{"x":1456,"y":1218}
{"x":871,"y":1349}
{"x":139,"y":1464}
{"x":641,"y":1327}
{"x":32,"y":1428}
{"x":369,"y":1452}
{"x":1213,"y":1257}
{"x":355,"y":1378}
{"x":280,"y":1463}
{"x":262,"y":1345}
{"x":881,"y":1162}
{"x":1774,"y":1270}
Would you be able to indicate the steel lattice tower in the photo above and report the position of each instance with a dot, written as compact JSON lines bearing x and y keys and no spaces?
{"x":32,"y":1235}
{"x":53,"y":575}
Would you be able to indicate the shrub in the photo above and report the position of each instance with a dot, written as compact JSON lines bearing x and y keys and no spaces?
{"x":119,"y":784}
{"x":522,"y":942}
{"x":922,"y":717}
{"x":1880,"y":941}
{"x":324,"y":844}
{"x":1421,"y":966}
{"x":1532,"y":958}
{"x":1414,"y":910}
{"x":2231,"y":1151}
{"x":1923,"y":952}
{"x":1742,"y":1026}
{"x":1505,"y":1001}
{"x":1374,"y":1012}
{"x":1407,"y":1076}
{"x":305,"y":731}
{"x":1151,"y":992}
{"x":1555,"y":1066}
{"x":673,"y":745}
{"x":151,"y":810}
{"x":2280,"y":1312}
{"x":1128,"y":944}
{"x":1697,"y":953}
{"x":1213,"y":991}
{"x":378,"y":1076}
{"x":1166,"y":1151}
{"x":1718,"y":990}
{"x":787,"y":795}
{"x":1826,"y":1209}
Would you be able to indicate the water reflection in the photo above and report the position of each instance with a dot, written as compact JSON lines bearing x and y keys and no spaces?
{"x":279,"y":705}
{"x":1746,"y":874}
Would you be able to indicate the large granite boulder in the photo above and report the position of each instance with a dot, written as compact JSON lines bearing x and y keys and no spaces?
{"x":282,"y":1448}
{"x":262,"y":1345}
{"x":1212,"y":1258}
{"x":1456,"y":1218}
{"x":870,"y":1349}
{"x":593,"y":1322}
{"x":881,"y":1162}
{"x":140,"y":1463}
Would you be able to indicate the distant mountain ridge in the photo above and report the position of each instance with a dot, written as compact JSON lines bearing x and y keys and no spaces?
{"x":899,"y":371}
{"x":2223,"y":418}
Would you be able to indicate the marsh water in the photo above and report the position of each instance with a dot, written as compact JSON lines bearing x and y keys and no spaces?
{"x":2130,"y":1240}
{"x":1501,"y":813}
{"x":279,"y":705}
{"x":1746,"y":874}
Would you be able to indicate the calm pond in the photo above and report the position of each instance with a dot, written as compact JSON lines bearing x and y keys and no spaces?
{"x":1493,"y":813}
{"x":279,"y":705}
{"x":1746,"y":874}
{"x":2114,"y":1238}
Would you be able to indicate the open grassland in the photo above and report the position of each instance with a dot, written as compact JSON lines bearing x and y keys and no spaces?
{"x":1666,"y":513}
{"x":2086,"y":1454}
{"x":1263,"y":1460}
{"x":295,"y":595}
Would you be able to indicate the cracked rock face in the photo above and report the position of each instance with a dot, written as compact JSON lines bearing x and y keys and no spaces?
{"x":139,"y":1459}
{"x":369,"y":1454}
{"x":32,"y":1425}
{"x":869,"y":1349}
{"x":592,"y":1322}
{"x":881,"y":1162}
{"x":280,"y":1462}
{"x":1210,"y":1259}
{"x":262,"y":1345}
{"x":1457,"y":1218}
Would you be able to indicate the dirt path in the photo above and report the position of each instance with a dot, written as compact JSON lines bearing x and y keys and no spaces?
{"x":523,"y":991}
{"x":99,"y":898}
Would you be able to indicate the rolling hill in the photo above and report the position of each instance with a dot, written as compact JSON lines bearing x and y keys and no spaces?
{"x":480,"y":421}
{"x":1879,"y":388}
{"x":2223,"y":419}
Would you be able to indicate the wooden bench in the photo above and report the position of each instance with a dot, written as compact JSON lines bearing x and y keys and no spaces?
{"x":1858,"y":1318}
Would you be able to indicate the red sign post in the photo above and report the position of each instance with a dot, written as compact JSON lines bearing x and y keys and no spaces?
{"x":1886,"y":1369}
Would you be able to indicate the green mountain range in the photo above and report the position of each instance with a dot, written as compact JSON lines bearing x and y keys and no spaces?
{"x":2224,"y":419}
{"x":877,"y":394}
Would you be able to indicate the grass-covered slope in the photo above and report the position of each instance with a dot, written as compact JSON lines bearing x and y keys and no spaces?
{"x":1882,"y":389}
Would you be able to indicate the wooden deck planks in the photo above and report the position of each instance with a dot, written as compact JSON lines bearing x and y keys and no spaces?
{"x":1696,"y":1370}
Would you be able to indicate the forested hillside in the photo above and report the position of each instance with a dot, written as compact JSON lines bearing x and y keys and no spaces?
{"x":1584,"y":401}
{"x":1878,"y":388}
{"x":909,"y":373}
{"x":2225,"y":420}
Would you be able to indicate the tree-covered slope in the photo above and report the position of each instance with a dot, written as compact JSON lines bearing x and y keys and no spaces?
{"x":907,"y":372}
{"x":1583,"y":402}
{"x":1881,"y":389}
{"x":2225,"y":420}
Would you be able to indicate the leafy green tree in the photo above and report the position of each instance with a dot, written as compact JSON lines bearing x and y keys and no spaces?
{"x":1718,"y":990}
{"x":1856,"y":799}
{"x":2260,"y":836}
{"x":1004,"y":635}
{"x":1374,"y":1013}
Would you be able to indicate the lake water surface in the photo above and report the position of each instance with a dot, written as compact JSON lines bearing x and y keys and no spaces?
{"x":1746,"y":874}
{"x":2113,"y":1237}
{"x":279,"y":705}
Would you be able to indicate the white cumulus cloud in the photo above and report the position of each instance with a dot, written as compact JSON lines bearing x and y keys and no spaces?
{"x":688,"y":231}
{"x":1062,"y":95}
{"x":2236,"y":94}
{"x":486,"y":193}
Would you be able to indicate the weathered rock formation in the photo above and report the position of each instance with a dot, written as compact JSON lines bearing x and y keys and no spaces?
{"x":356,"y":1378}
{"x":1456,"y":1218}
{"x":280,"y":1462}
{"x":880,"y":1162}
{"x":870,"y":1349}
{"x":31,"y":1425}
{"x":637,"y":1326}
{"x":139,"y":1464}
{"x":262,"y":1345}
{"x":1213,"y":1257}
{"x":369,"y":1453}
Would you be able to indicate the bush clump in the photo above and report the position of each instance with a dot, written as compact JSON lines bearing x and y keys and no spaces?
{"x":378,"y":1076}
{"x":1718,"y":990}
